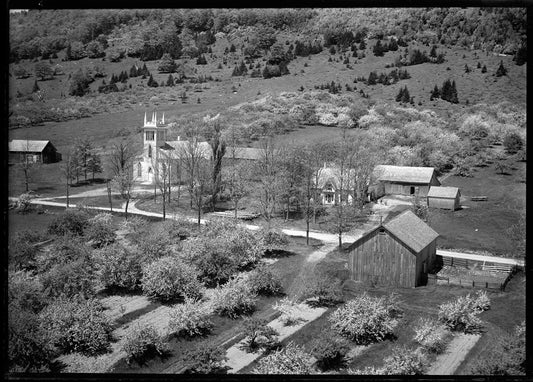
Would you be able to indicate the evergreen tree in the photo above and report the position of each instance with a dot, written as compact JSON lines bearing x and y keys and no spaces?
{"x":393,"y":45}
{"x":170,"y":80}
{"x":166,"y":64}
{"x":435,"y":93}
{"x":113,"y":79}
{"x":406,"y":97}
{"x":362,"y":45}
{"x":201,"y":60}
{"x":378,"y":49}
{"x":502,"y":71}
{"x":467,"y":69}
{"x":232,"y":48}
{"x":433,"y":52}
{"x":144,"y":70}
{"x":479,"y":65}
{"x":484,"y":69}
{"x":151,"y":82}
{"x":332,"y":49}
{"x":35,"y":87}
{"x":372,"y":78}
{"x":454,"y":98}
{"x":133,"y":71}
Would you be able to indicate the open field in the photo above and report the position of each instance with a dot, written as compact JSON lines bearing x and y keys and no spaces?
{"x":483,"y":225}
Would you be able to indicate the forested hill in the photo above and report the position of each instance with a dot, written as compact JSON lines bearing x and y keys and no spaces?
{"x":148,"y":34}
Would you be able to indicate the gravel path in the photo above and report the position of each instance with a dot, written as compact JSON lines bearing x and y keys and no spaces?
{"x":447,"y":362}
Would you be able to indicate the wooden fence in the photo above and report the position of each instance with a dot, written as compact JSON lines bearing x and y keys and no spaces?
{"x":471,"y":281}
{"x":485,"y":265}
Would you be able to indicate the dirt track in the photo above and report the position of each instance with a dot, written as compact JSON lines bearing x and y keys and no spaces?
{"x":457,"y":350}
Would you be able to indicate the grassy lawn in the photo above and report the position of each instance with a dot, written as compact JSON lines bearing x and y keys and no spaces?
{"x":483,"y":225}
{"x":93,"y":201}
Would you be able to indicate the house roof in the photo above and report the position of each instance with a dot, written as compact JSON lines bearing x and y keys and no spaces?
{"x":27,"y":145}
{"x":404,"y":174}
{"x":411,"y":230}
{"x":443,"y":192}
{"x":332,"y":174}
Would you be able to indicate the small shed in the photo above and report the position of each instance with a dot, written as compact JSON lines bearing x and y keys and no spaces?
{"x":404,"y":180}
{"x":21,"y":150}
{"x":444,"y":197}
{"x":400,"y":252}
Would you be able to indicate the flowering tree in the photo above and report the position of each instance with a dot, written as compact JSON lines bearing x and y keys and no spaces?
{"x":364,"y":320}
{"x":461,"y":314}
{"x":292,"y":359}
{"x":190,"y":318}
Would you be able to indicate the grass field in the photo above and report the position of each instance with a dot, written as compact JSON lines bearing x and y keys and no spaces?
{"x":483,"y":225}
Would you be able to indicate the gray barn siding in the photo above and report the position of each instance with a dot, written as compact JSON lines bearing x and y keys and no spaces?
{"x":445,"y":203}
{"x":383,"y":257}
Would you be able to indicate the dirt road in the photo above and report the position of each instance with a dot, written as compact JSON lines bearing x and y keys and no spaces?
{"x":447,"y":362}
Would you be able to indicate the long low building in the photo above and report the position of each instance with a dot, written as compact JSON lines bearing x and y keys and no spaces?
{"x":33,"y":151}
{"x":403,"y":180}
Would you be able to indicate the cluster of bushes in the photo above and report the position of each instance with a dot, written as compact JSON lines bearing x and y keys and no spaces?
{"x":461,"y":314}
{"x":304,"y":49}
{"x":144,"y":343}
{"x":387,"y":79}
{"x":381,"y":48}
{"x":447,"y":92}
{"x":364,"y":319}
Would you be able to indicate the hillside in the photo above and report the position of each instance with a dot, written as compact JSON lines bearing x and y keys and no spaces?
{"x":92,"y":48}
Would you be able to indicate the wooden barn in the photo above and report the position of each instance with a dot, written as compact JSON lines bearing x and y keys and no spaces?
{"x":444,"y":197}
{"x":404,"y":180}
{"x":21,"y":150}
{"x":399,"y":252}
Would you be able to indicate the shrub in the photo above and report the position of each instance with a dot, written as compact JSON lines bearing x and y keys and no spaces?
{"x":29,"y":346}
{"x":190,"y":318}
{"x":461,"y":314}
{"x":68,"y":280}
{"x":77,"y":326}
{"x":292,"y":359}
{"x":263,"y":282}
{"x":431,"y":335}
{"x":169,"y":278}
{"x":154,"y":244}
{"x":119,"y":267}
{"x":23,"y":203}
{"x":289,"y":311}
{"x":393,"y":304}
{"x":482,"y":301}
{"x":506,"y":357}
{"x":329,"y":350}
{"x":324,"y":291}
{"x":206,"y":360}
{"x":364,"y":320}
{"x":273,"y":240}
{"x":22,"y":250}
{"x":100,"y":230}
{"x":26,"y":291}
{"x":69,"y":221}
{"x":403,"y":361}
{"x":258,"y":334}
{"x":234,"y":298}
{"x":143,"y":343}
{"x":512,"y":142}
{"x":64,"y":250}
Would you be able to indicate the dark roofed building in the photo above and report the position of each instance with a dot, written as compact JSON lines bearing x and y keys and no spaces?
{"x":399,"y":252}
{"x":444,"y":197}
{"x":36,"y":151}
{"x":404,"y":180}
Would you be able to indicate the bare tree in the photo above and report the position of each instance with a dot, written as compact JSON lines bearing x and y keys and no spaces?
{"x":202,"y":185}
{"x":268,"y":171}
{"x":237,"y":180}
{"x":28,"y":165}
{"x":121,"y":166}
{"x":67,"y":169}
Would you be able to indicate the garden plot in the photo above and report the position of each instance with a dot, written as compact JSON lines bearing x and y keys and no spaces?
{"x":238,"y":358}
{"x":447,"y":362}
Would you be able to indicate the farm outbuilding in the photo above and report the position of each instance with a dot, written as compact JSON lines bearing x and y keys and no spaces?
{"x":21,"y":150}
{"x":444,"y":197}
{"x":403,"y":180}
{"x":400,"y":252}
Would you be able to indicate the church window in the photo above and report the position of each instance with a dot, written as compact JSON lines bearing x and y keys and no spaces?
{"x":149,"y":151}
{"x":150,"y":135}
{"x":139,"y":170}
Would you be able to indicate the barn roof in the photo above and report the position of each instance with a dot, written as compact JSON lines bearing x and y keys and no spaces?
{"x":443,"y":192}
{"x":27,"y":145}
{"x":411,"y":230}
{"x":404,"y":174}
